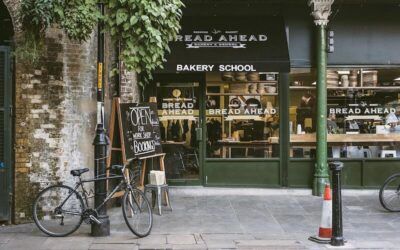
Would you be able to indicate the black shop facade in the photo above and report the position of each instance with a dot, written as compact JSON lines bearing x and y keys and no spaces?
{"x":236,"y":100}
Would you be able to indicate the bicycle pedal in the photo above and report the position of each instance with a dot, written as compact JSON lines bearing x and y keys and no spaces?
{"x":94,"y":219}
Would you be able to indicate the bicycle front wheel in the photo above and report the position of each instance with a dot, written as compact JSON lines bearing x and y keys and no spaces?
{"x":137,"y":212}
{"x":389,"y":194}
{"x":57,"y":210}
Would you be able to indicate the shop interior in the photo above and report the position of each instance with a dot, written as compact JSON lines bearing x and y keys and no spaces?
{"x":242,"y":112}
{"x":363,"y":113}
{"x":178,"y":111}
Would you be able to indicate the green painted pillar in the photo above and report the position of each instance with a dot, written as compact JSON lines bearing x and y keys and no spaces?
{"x":321,"y":174}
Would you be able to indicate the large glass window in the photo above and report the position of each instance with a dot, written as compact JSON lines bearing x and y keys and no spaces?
{"x":242,"y":115}
{"x":178,"y":111}
{"x":363,"y":113}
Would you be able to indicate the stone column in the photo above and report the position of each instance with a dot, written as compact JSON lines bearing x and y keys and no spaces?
{"x":321,"y":10}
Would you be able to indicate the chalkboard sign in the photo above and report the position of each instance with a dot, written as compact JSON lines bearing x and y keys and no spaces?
{"x":141,"y":129}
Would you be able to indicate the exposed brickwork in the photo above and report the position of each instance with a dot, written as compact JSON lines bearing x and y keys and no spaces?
{"x":55,"y":118}
{"x":129,"y":89}
{"x":55,"y":112}
{"x":55,"y":115}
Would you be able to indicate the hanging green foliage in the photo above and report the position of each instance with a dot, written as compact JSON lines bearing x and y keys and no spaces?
{"x":76,"y":17}
{"x":144,"y":29}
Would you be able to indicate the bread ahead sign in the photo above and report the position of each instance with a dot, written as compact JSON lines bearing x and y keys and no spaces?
{"x":219,"y":39}
{"x":229,"y":44}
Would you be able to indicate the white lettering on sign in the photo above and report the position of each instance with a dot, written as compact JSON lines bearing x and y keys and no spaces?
{"x":210,"y":67}
{"x":140,"y":116}
{"x":194,"y":67}
{"x":362,"y":111}
{"x":255,"y":111}
{"x":219,"y":39}
{"x":144,"y":147}
{"x":177,"y":105}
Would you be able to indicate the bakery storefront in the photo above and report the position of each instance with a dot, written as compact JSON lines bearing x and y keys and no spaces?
{"x":236,"y":102}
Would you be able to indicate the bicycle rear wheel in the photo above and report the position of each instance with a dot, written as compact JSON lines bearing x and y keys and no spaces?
{"x":389,"y":194}
{"x":137,"y":212}
{"x":57,"y":210}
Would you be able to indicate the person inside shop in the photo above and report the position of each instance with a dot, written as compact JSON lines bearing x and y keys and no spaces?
{"x":307,"y":111}
{"x":393,"y":121}
{"x":331,"y":124}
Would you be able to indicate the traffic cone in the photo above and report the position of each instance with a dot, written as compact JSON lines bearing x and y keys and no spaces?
{"x":325,"y":228}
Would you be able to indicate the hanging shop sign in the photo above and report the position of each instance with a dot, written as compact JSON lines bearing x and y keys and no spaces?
{"x":141,"y":129}
{"x":220,"y":44}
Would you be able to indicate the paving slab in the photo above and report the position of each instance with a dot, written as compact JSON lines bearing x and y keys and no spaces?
{"x":181,"y":239}
{"x":221,"y":244}
{"x":113,"y":247}
{"x":190,"y":246}
{"x":67,"y":243}
{"x":213,"y":218}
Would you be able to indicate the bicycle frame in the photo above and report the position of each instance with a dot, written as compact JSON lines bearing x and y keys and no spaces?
{"x":124,"y":181}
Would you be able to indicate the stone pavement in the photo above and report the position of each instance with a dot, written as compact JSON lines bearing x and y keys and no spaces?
{"x":219,"y":218}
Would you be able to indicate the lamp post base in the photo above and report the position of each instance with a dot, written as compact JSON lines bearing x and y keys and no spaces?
{"x":319,"y":185}
{"x":103,"y":229}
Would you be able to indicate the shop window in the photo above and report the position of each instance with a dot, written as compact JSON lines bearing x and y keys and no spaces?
{"x":178,"y":111}
{"x":363,"y":118}
{"x":242,"y":115}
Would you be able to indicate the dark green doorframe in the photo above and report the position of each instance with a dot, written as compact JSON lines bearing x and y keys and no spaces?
{"x":284,"y":137}
{"x":5,"y":134}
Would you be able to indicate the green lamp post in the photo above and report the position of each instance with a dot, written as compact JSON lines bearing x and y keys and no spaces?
{"x":321,"y":12}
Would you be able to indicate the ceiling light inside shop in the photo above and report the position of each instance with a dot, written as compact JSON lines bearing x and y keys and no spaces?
{"x":397,"y":79}
{"x":363,"y":117}
{"x":243,"y":117}
{"x":344,"y":72}
{"x":177,"y":117}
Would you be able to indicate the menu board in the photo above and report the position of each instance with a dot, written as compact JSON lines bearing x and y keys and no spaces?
{"x":141,"y":129}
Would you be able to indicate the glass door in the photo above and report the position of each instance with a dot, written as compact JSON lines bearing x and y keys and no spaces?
{"x":180,"y":123}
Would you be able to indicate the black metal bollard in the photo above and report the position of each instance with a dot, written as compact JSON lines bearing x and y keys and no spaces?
{"x":337,"y":225}
{"x":100,"y":146}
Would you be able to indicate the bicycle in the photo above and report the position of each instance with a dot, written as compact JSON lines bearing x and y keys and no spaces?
{"x":59,"y":210}
{"x":389,"y":193}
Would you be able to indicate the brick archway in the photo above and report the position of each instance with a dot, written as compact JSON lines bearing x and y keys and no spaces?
{"x":13,"y":9}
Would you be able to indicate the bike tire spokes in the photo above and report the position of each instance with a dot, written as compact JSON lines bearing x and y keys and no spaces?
{"x":137,"y":212}
{"x":390,"y":195}
{"x":57,"y":210}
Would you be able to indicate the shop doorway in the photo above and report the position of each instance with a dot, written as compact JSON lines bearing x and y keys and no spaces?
{"x":5,"y":115}
{"x":179,"y":100}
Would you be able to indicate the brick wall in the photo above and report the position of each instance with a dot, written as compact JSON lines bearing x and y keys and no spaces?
{"x":55,"y":113}
{"x":55,"y":118}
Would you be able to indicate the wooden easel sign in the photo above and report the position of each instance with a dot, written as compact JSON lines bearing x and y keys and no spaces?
{"x":138,"y":135}
{"x":141,"y":131}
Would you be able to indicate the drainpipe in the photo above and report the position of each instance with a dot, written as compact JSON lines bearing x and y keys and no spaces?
{"x":321,"y":9}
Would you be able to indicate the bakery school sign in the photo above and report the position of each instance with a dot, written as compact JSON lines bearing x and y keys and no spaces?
{"x":140,"y":126}
{"x":219,"y":44}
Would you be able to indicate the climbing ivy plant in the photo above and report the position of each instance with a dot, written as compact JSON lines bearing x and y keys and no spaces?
{"x":143,"y":27}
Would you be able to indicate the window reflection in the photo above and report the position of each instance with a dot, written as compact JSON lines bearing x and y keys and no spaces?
{"x":242,"y":115}
{"x":362,"y":114}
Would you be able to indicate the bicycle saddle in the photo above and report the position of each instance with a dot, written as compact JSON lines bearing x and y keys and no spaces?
{"x":78,"y":172}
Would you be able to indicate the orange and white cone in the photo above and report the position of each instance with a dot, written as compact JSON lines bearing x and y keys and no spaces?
{"x":325,"y":227}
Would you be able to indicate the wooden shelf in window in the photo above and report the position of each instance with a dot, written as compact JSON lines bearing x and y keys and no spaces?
{"x":266,"y":82}
{"x":348,"y":88}
{"x":244,"y":94}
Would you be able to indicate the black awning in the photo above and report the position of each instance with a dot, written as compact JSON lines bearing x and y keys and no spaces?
{"x":220,"y":43}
